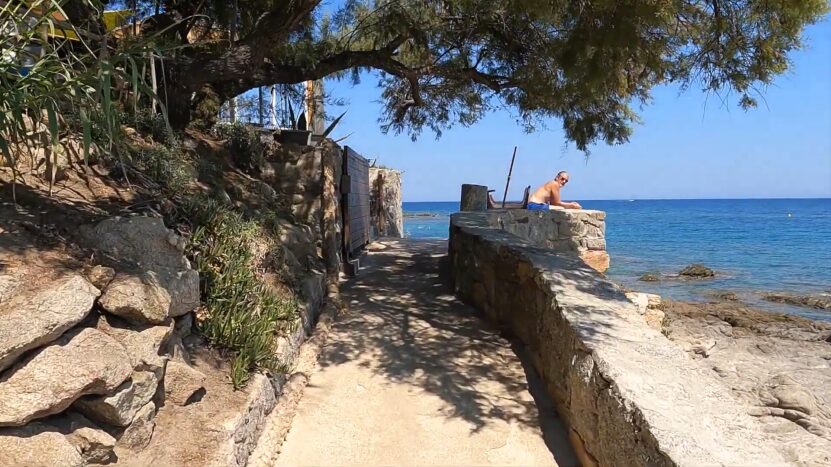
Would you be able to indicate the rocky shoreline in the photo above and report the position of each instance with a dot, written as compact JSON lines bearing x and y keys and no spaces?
{"x":775,"y":364}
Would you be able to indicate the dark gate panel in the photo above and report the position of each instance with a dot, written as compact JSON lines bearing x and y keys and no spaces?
{"x":356,"y":214}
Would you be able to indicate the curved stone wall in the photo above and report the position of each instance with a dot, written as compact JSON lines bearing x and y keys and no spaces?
{"x":629,"y":396}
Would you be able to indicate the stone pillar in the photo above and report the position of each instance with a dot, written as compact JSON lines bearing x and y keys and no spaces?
{"x":474,"y":198}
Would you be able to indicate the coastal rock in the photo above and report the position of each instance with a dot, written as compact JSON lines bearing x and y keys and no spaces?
{"x":819,"y":302}
{"x":648,"y":305}
{"x":650,"y":277}
{"x":698,"y":271}
{"x":725,"y":295}
{"x":47,"y":312}
{"x":181,"y":382}
{"x":84,"y":361}
{"x":597,"y":259}
{"x":775,"y":365}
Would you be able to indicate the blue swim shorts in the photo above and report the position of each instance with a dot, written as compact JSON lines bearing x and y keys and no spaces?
{"x":537,"y":206}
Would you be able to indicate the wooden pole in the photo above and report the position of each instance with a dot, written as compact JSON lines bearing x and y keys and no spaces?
{"x":510,"y":171}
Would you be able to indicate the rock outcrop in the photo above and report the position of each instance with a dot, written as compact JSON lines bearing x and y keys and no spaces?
{"x":47,"y":311}
{"x":697,"y":271}
{"x":819,"y":301}
{"x":83,"y":361}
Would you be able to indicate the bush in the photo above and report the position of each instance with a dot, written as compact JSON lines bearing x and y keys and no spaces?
{"x":242,"y":314}
{"x":156,"y":125}
{"x":169,"y":167}
{"x":246,"y":146}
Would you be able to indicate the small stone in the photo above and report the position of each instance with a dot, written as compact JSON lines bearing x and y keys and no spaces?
{"x":138,"y":434}
{"x":94,"y":444}
{"x":84,"y":361}
{"x":650,"y":277}
{"x":728,"y":296}
{"x":697,"y":271}
{"x":181,"y":382}
{"x":100,"y":276}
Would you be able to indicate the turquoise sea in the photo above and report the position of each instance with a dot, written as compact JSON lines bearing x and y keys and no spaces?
{"x":754,"y":245}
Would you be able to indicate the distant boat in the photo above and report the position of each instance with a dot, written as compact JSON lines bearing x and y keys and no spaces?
{"x":631,"y":200}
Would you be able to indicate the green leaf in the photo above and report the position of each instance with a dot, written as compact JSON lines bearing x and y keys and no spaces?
{"x":333,"y":124}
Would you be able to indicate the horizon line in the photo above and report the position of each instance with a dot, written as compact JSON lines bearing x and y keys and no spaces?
{"x":670,"y":199}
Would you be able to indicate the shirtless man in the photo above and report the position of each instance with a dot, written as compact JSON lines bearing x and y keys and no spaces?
{"x":548,"y":196}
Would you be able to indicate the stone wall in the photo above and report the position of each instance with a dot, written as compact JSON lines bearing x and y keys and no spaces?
{"x":582,"y":232}
{"x":385,"y":202}
{"x":628,"y":395}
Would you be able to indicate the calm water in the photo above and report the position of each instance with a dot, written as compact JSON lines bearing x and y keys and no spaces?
{"x":754,"y":245}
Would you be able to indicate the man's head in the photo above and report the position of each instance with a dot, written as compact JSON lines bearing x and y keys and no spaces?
{"x":561,"y":178}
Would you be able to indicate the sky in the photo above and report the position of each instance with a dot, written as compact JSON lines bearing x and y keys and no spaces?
{"x":688,"y":145}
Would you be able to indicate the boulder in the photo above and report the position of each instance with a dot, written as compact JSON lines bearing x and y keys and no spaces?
{"x":697,"y":271}
{"x":94,"y":444}
{"x":181,"y":382}
{"x":140,"y":431}
{"x":47,"y":312}
{"x":156,"y":256}
{"x":139,"y":298}
{"x":597,"y":259}
{"x":647,"y":305}
{"x":119,"y":408}
{"x":35,"y":447}
{"x":725,"y":295}
{"x":143,"y":343}
{"x":650,"y":277}
{"x":83,"y":361}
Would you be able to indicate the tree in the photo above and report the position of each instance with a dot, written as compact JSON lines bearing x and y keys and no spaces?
{"x":440,"y":63}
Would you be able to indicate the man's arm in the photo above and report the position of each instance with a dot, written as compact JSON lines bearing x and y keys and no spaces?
{"x":554,"y":197}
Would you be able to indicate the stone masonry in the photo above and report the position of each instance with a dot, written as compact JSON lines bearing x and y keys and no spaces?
{"x":628,"y":395}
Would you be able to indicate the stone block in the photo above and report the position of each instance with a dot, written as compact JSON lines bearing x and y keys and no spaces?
{"x":119,"y":408}
{"x":181,"y":382}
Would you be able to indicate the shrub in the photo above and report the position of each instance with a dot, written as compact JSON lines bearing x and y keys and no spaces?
{"x":246,"y":146}
{"x":169,"y":167}
{"x":242,"y":314}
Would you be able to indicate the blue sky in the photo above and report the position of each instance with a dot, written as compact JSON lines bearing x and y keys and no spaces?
{"x":688,"y":145}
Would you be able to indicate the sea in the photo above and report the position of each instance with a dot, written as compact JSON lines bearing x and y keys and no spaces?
{"x":755,"y":246}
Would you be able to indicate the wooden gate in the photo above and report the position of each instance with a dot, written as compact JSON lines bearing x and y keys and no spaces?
{"x":356,"y":215}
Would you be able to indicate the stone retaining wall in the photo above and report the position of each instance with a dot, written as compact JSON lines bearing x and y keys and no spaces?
{"x":582,"y":232}
{"x":629,"y":396}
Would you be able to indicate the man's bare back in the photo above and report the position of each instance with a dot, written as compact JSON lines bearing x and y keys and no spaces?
{"x":549,"y":194}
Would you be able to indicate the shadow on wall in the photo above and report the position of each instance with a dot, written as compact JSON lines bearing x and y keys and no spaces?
{"x":406,"y":325}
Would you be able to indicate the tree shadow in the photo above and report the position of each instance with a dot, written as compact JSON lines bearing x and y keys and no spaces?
{"x":405,"y":324}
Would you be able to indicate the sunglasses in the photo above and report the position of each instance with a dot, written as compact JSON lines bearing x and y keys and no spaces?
{"x":564,"y":180}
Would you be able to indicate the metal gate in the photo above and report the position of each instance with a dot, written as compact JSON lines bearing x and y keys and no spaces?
{"x":356,"y":214}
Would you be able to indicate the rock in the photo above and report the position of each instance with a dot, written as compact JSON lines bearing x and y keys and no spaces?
{"x":94,"y":444}
{"x":83,"y":361}
{"x":140,"y":431}
{"x":597,"y":259}
{"x":648,"y":304}
{"x":729,"y":296}
{"x":119,"y":408}
{"x":137,"y":298}
{"x":650,"y":277}
{"x":819,"y":302}
{"x":156,"y":254}
{"x":99,"y":276}
{"x":36,"y":447}
{"x":184,"y":325}
{"x":697,"y":271}
{"x":181,"y":382}
{"x":47,"y":312}
{"x":143,"y":343}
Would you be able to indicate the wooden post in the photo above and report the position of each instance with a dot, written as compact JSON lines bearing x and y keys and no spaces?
{"x":474,"y":198}
{"x":508,"y":183}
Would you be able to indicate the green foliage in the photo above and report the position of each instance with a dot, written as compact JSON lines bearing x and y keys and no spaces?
{"x":157,"y":126}
{"x":246,"y":145}
{"x":165,"y":165}
{"x":242,"y":315}
{"x":50,"y":85}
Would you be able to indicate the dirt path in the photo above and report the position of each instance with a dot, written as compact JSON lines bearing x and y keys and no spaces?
{"x":411,"y":376}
